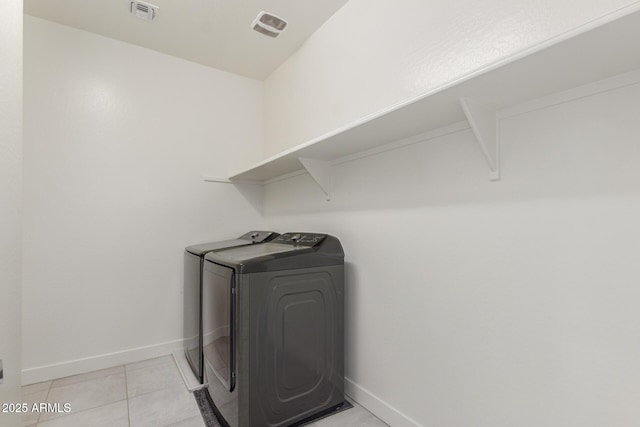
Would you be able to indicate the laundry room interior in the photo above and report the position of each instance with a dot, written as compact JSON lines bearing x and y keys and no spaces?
{"x":478,"y":162}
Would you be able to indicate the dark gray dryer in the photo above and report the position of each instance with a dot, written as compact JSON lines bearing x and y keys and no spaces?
{"x":277,"y":355}
{"x":193,"y":262}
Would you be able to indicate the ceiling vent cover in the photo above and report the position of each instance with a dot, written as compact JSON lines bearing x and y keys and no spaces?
{"x":143,"y":10}
{"x":268,"y":24}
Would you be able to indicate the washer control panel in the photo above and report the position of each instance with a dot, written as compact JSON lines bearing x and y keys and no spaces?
{"x":300,"y":239}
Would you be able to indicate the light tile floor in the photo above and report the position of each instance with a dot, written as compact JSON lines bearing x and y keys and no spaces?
{"x":148,"y":393}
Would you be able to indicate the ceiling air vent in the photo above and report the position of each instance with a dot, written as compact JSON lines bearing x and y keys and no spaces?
{"x":142,"y":10}
{"x":268,"y":24}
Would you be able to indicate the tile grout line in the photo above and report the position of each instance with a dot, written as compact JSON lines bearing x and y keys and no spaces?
{"x":126,"y":391}
{"x":49,"y":389}
{"x":76,"y":383}
{"x":152,"y":391}
{"x":45,"y":401}
{"x":184,"y":383}
{"x":79,"y":382}
{"x":175,"y":364}
{"x":80,"y":412}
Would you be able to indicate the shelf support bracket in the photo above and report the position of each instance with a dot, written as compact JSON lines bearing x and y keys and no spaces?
{"x":320,"y":171}
{"x":484,"y":123}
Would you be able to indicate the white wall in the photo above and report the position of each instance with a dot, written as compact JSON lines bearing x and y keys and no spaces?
{"x":471,"y":303}
{"x":10,"y":201}
{"x":507,"y":303}
{"x":372,"y":55}
{"x":117,"y":139}
{"x":497,"y":304}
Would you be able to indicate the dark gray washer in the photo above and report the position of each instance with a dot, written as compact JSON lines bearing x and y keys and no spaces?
{"x":286,"y":346}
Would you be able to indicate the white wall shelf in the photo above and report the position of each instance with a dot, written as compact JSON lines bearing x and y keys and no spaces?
{"x":590,"y":53}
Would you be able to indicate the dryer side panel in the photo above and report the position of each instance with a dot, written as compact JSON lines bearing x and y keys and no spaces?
{"x":298,"y":347}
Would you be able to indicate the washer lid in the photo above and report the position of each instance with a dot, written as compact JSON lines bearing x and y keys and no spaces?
{"x":246,"y":239}
{"x":286,"y":252}
{"x":246,"y":253}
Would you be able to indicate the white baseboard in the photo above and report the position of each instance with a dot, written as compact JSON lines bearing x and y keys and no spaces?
{"x":81,"y":366}
{"x":362,"y":396}
{"x":377,"y":406}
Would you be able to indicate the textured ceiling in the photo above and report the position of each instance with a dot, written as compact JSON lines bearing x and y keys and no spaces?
{"x":216,"y":33}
